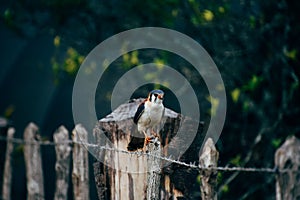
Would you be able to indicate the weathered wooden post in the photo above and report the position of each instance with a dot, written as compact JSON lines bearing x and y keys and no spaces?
{"x":80,"y":173}
{"x":126,"y":175}
{"x":208,"y":158}
{"x":33,"y":163}
{"x":7,"y":174}
{"x":287,"y":157}
{"x":62,"y":165}
{"x":154,"y":172}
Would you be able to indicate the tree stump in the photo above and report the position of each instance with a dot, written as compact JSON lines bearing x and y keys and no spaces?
{"x":124,"y":175}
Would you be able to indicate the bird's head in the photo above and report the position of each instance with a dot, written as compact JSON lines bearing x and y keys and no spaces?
{"x":156,"y":96}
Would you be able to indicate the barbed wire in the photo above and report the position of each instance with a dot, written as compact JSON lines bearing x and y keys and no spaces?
{"x":141,"y":153}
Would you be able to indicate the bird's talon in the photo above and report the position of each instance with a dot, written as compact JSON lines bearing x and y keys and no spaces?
{"x":148,"y":140}
{"x":152,"y":139}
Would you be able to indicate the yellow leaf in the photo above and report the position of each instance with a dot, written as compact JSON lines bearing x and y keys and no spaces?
{"x":159,"y":63}
{"x":208,"y":15}
{"x":134,"y":58}
{"x":126,"y":57}
{"x":220,"y":87}
{"x":71,"y":66}
{"x":56,"y":41}
{"x":291,"y":54}
{"x":72,"y":52}
{"x":80,"y":59}
{"x":235,"y":94}
{"x":214,"y":105}
{"x":221,"y":9}
{"x":150,"y":76}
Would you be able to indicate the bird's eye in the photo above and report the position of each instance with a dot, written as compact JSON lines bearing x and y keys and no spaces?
{"x":155,"y":95}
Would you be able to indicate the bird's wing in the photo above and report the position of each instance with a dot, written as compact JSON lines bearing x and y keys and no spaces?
{"x":162,"y":117}
{"x":139,"y":112}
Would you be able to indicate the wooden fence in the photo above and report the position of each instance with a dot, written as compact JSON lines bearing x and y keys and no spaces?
{"x":33,"y":163}
{"x":287,"y":161}
{"x":63,"y":148}
{"x":118,"y":184}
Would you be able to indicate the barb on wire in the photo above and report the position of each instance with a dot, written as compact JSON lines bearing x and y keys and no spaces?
{"x":140,"y":153}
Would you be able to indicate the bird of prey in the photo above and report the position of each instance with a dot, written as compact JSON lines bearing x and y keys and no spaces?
{"x":149,"y":114}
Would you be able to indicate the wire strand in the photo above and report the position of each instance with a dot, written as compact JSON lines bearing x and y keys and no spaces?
{"x":140,"y":153}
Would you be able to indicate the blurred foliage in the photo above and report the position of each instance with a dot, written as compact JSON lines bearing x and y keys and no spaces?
{"x":130,"y":59}
{"x":214,"y":102}
{"x":236,"y":161}
{"x":255,"y":45}
{"x":67,"y":65}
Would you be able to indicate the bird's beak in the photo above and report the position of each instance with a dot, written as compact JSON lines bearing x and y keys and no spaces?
{"x":161,"y":97}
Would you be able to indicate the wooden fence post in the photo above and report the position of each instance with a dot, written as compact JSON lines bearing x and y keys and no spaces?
{"x":287,"y":157}
{"x":208,"y":158}
{"x":33,"y":163}
{"x":80,"y":173}
{"x":7,"y":174}
{"x":62,"y":165}
{"x":154,"y":172}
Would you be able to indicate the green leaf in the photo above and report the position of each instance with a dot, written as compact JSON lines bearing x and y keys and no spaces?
{"x":8,"y":16}
{"x":198,"y":179}
{"x":276,"y":142}
{"x":225,"y":188}
{"x":236,"y":161}
{"x":252,"y":21}
{"x":253,"y":83}
{"x":246,"y":105}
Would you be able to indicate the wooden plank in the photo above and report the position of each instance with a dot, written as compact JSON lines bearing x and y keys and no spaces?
{"x":33,"y":163}
{"x":7,"y":174}
{"x":208,"y":158}
{"x":287,"y":157}
{"x":80,"y":173}
{"x":62,"y":165}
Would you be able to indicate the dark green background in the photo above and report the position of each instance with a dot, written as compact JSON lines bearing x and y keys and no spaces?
{"x":254,"y":43}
